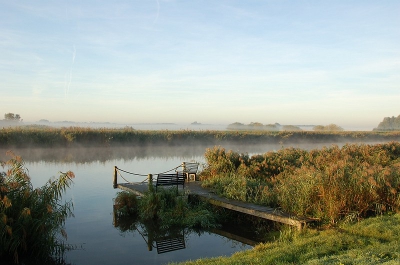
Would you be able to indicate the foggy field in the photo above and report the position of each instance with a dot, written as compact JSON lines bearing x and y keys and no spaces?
{"x":20,"y":137}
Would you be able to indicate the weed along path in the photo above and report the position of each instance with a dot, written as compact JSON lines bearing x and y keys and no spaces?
{"x":195,"y":189}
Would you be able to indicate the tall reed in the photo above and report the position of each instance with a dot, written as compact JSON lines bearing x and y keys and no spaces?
{"x":331,"y":184}
{"x":78,"y":136}
{"x":32,"y":219}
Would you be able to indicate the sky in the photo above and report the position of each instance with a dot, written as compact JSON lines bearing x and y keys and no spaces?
{"x":214,"y":62}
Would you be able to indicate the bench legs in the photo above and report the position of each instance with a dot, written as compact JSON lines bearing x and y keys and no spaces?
{"x":191,"y":176}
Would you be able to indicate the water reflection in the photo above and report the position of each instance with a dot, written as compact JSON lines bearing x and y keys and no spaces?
{"x":103,"y":154}
{"x":155,"y":237}
{"x":163,"y":240}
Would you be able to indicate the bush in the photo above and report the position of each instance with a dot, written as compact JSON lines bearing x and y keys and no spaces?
{"x":32,"y":220}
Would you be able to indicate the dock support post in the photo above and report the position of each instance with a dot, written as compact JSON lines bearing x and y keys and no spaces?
{"x":115,"y":185}
{"x":150,"y":181}
{"x":184,"y":170}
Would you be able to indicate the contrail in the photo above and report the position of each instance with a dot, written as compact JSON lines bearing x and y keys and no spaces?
{"x":68,"y":83}
{"x":158,"y":12}
{"x":73,"y":55}
{"x":70,"y":79}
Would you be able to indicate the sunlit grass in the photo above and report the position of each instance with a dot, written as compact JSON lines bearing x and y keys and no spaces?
{"x":372,"y":241}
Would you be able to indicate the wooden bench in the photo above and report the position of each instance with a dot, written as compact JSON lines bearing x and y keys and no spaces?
{"x":190,"y":170}
{"x":171,"y":179}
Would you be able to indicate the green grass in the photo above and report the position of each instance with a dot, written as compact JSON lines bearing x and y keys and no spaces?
{"x":371,"y":241}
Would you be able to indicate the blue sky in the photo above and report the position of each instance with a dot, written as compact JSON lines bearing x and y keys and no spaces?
{"x":216,"y":62}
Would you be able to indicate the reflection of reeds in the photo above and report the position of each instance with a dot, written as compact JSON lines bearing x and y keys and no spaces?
{"x":77,"y":136}
{"x":330,"y":184}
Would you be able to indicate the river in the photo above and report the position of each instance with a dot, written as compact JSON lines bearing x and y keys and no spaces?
{"x":92,"y":229}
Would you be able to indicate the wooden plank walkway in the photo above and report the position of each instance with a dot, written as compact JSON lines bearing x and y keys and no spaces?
{"x":194,"y":188}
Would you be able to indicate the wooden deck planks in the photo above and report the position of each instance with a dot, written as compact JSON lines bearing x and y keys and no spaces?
{"x":194,"y":188}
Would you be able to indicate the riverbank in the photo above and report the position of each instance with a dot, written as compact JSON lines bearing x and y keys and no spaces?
{"x":48,"y":137}
{"x":371,"y":241}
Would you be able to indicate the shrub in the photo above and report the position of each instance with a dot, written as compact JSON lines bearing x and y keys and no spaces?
{"x":32,"y":220}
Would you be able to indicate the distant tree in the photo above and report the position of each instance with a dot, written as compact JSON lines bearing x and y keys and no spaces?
{"x":333,"y":127}
{"x":256,"y":124}
{"x":319,"y":128}
{"x":236,"y":126}
{"x":291,"y":128}
{"x":12,"y":117}
{"x":272,"y":127}
{"x":330,"y":127}
{"x":389,"y":123}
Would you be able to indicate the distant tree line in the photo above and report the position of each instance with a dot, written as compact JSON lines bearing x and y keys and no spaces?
{"x":257,"y":126}
{"x":389,"y":124}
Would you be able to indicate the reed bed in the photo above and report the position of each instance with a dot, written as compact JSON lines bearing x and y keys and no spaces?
{"x":79,"y":136}
{"x":331,"y":184}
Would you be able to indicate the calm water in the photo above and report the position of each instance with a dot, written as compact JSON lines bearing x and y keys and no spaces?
{"x":92,"y":229}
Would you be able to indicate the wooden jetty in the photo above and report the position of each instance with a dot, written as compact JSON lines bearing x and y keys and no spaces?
{"x":194,"y":188}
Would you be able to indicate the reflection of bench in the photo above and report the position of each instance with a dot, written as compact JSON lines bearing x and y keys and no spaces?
{"x":190,"y":170}
{"x":170,"y":244}
{"x":170,"y":179}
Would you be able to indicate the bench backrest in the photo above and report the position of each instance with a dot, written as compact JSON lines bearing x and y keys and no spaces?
{"x":170,"y":179}
{"x":170,"y":244}
{"x":191,"y":168}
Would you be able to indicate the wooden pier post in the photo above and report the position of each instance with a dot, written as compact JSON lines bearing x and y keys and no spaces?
{"x":150,"y":180}
{"x":115,"y":185}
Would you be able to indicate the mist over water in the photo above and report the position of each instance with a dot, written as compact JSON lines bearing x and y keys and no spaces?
{"x":103,"y":154}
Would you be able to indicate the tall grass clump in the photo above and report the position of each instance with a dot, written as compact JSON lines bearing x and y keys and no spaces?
{"x":332,"y":184}
{"x":32,"y":220}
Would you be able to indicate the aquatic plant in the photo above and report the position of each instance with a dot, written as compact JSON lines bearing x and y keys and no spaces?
{"x":32,"y":219}
{"x":167,"y":207}
{"x":126,"y":204}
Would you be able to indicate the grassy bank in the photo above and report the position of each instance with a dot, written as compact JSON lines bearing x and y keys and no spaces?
{"x":371,"y":241}
{"x":78,"y":136}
